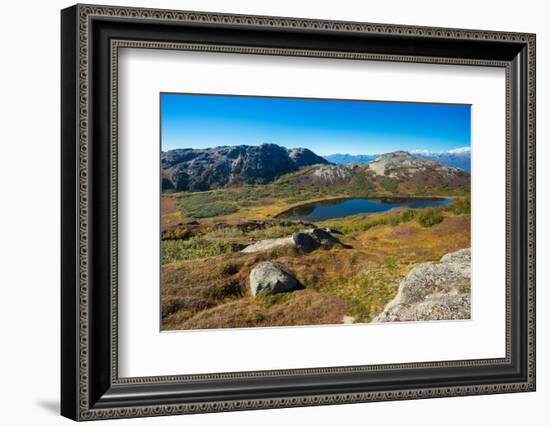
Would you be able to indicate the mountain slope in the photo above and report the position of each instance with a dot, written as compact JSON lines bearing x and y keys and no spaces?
{"x":299,"y":169}
{"x":203,"y":169}
{"x":393,"y":173}
{"x":412,"y":170}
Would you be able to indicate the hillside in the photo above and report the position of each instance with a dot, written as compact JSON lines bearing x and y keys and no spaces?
{"x":238,"y":194}
{"x":196,"y":170}
{"x":404,"y":166}
{"x":396,"y":173}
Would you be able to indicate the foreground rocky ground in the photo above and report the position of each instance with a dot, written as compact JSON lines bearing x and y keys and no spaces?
{"x":433,"y":291}
{"x":343,"y":271}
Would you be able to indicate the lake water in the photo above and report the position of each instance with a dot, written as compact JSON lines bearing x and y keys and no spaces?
{"x":331,"y":209}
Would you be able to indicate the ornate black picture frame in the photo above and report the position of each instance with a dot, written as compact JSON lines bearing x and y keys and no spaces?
{"x":91,"y":36}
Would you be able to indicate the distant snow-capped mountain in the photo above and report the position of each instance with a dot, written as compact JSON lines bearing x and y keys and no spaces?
{"x":458,"y":157}
{"x":463,"y":150}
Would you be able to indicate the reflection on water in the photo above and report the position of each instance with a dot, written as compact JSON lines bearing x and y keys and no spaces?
{"x":331,"y":209}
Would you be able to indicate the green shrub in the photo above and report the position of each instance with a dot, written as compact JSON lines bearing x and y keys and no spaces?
{"x":194,"y":248}
{"x":408,"y":215}
{"x":429,"y":217}
{"x":389,"y":185}
{"x":361,"y":222}
{"x":361,"y":186}
{"x":210,"y":210}
{"x":426,"y":217}
{"x":369,"y":292}
{"x":394,"y":219}
{"x":177,"y":234}
{"x":461,"y":206}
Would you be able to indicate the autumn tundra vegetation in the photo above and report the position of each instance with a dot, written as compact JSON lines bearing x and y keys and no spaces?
{"x":260,"y":236}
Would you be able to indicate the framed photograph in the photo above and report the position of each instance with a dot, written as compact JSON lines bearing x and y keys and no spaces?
{"x":263,"y":212}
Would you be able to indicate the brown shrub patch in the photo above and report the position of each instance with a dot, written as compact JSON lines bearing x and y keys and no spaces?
{"x":168,"y":205}
{"x":304,"y":308}
{"x":404,"y":232}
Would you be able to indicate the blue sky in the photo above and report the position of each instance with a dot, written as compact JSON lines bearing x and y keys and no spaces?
{"x":324,"y":126}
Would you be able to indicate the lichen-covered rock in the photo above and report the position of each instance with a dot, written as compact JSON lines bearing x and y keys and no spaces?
{"x":269,"y":278}
{"x":306,"y":241}
{"x":268,"y":244}
{"x":313,"y":239}
{"x":455,"y":307}
{"x":433,"y":291}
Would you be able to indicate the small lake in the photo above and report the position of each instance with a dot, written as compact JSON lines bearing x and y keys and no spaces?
{"x":331,"y":209}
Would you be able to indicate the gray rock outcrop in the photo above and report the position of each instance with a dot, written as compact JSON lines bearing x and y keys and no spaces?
{"x":332,"y":173}
{"x":306,"y":241}
{"x":268,"y":244}
{"x":433,"y":291}
{"x":313,"y":239}
{"x":270,"y":278}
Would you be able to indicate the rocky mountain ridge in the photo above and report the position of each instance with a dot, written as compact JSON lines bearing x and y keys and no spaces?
{"x":219,"y":167}
{"x":401,"y":164}
{"x":210,"y":168}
